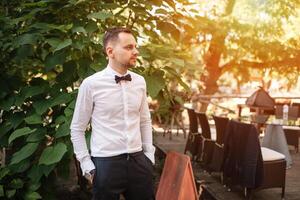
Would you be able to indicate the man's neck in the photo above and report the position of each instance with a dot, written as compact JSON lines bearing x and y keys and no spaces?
{"x":120,"y":69}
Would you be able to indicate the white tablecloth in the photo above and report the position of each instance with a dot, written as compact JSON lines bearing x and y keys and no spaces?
{"x":275,"y":139}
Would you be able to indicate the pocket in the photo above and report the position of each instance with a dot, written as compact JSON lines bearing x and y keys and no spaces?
{"x":148,"y":160}
{"x":94,"y":178}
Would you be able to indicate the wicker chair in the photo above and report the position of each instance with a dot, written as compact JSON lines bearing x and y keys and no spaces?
{"x":208,"y":143}
{"x":221,"y":124}
{"x":292,"y":137}
{"x":249,"y":165}
{"x":218,"y":153}
{"x":194,"y":140}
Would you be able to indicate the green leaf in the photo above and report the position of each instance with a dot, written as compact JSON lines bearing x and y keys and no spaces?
{"x":37,"y":135}
{"x":91,"y":27}
{"x":52,"y":60}
{"x":79,"y":29}
{"x":34,"y":186}
{"x":16,"y":183}
{"x":6,"y":104}
{"x":84,"y":65}
{"x":161,"y":11}
{"x":32,"y":91}
{"x":3,"y":172}
{"x":177,"y":76}
{"x":78,"y":44}
{"x":62,"y":98}
{"x":167,"y":27}
{"x":53,"y":154}
{"x":60,"y":119}
{"x":155,"y":83}
{"x":72,"y":104}
{"x":111,"y":6}
{"x":28,"y":16}
{"x":33,"y":119}
{"x":24,"y":152}
{"x":63,"y":27}
{"x":47,"y":169}
{"x":97,"y":66}
{"x":26,"y":39}
{"x":100,"y":15}
{"x":20,"y":167}
{"x":10,"y":193}
{"x":47,"y":27}
{"x":20,"y":98}
{"x":63,"y":44}
{"x":144,"y":52}
{"x":17,"y":119}
{"x":68,"y":75}
{"x":54,"y":42}
{"x":4,"y":128}
{"x":20,"y":132}
{"x":63,"y":130}
{"x":75,"y":2}
{"x":1,"y":191}
{"x":35,"y":4}
{"x":35,"y":173}
{"x":32,"y":196}
{"x":23,"y":52}
{"x":68,"y":112}
{"x":41,"y":106}
{"x":178,"y":62}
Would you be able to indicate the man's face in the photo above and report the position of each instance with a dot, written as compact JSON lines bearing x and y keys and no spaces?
{"x":123,"y":51}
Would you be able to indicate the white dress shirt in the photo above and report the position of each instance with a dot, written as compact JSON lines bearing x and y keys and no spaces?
{"x":119,"y":116}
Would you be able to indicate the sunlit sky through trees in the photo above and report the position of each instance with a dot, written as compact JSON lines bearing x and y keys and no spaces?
{"x":245,"y":11}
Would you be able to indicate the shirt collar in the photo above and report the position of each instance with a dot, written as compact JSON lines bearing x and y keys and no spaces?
{"x":111,"y":71}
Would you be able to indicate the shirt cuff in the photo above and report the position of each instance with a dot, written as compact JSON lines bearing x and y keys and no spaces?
{"x":149,"y":152}
{"x":86,"y":165}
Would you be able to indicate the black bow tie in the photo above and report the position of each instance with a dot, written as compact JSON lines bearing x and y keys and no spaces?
{"x":125,"y":78}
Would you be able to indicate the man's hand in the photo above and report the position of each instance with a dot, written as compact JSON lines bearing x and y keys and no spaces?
{"x":90,"y":176}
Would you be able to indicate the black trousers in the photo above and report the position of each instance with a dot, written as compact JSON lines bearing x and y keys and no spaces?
{"x":127,"y":174}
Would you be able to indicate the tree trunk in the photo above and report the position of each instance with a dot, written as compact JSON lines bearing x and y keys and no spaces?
{"x":212,"y":60}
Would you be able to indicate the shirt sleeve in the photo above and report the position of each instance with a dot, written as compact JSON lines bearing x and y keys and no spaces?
{"x":146,"y":128}
{"x":81,"y":117}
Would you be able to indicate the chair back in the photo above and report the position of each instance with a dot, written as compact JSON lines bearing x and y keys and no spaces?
{"x":193,"y":125}
{"x":278,"y":111}
{"x":298,"y":105}
{"x":177,"y":179}
{"x":245,"y":164}
{"x":242,"y":155}
{"x":205,"y":128}
{"x":221,"y":124}
{"x":293,"y":113}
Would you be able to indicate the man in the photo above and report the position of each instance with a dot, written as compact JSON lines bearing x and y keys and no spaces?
{"x":115,"y":102}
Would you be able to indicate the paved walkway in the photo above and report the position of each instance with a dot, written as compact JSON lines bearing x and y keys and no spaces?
{"x":292,"y":190}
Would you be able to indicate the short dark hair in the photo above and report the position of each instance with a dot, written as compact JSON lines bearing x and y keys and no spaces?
{"x":112,"y":34}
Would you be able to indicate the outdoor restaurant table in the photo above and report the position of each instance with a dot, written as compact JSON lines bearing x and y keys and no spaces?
{"x":275,"y":139}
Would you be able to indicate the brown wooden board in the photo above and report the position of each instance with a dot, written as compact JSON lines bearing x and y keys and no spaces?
{"x":177,"y":179}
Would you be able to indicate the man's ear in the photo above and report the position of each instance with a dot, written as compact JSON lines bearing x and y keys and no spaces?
{"x":109,"y":52}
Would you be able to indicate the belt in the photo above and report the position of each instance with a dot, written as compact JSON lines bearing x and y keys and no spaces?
{"x":121,"y":156}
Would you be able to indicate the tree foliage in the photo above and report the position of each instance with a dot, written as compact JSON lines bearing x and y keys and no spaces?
{"x":242,"y":37}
